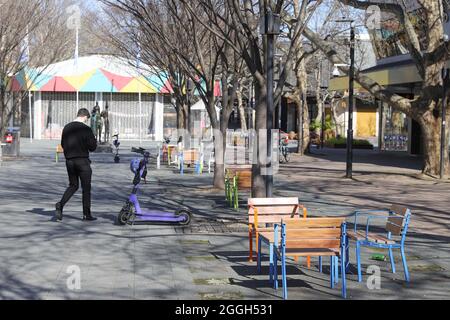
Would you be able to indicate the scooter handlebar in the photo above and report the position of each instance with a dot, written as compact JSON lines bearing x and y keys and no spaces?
{"x":141,"y":151}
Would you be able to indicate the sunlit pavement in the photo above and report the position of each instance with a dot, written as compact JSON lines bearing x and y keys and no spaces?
{"x":208,"y":260}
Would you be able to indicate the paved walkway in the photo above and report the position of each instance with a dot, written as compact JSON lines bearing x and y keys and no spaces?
{"x":208,"y":260}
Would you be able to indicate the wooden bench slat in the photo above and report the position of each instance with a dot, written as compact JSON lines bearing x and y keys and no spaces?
{"x":318,"y":252}
{"x":314,"y":233}
{"x":314,"y":222}
{"x":312,"y":243}
{"x":272,"y":201}
{"x":395,"y":229}
{"x":269,"y":219}
{"x":361,"y":235}
{"x":401,"y":211}
{"x":282,"y":209}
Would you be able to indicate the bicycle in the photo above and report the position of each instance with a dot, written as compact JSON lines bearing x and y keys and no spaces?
{"x":285,"y":155}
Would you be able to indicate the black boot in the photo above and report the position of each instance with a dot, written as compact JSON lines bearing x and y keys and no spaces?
{"x":59,"y":212}
{"x":89,"y":217}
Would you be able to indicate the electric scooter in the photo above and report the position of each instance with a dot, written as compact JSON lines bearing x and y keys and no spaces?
{"x":116,"y":144}
{"x":132,"y":213}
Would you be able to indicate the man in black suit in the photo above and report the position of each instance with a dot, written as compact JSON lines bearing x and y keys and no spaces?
{"x":77,"y":141}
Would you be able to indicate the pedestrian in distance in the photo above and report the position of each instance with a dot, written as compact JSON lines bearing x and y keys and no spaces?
{"x":77,"y":141}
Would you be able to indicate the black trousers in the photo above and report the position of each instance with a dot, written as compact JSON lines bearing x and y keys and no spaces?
{"x":79,"y":170}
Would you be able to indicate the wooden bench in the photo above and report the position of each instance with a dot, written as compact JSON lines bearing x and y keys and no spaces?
{"x":311,"y":237}
{"x":59,"y":150}
{"x":172,"y":156}
{"x":263,"y":212}
{"x":190,"y":157}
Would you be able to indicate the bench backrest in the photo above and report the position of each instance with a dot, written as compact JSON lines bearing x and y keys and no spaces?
{"x":398,"y":223}
{"x":273,"y":210}
{"x":232,"y":170}
{"x":312,"y":233}
{"x":191,"y":155}
{"x":244,"y":179}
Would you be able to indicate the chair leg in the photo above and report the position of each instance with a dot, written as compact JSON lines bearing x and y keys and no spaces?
{"x":336,"y":270}
{"x":343,"y":273}
{"x":250,"y":239}
{"x":405,"y":265}
{"x":391,"y":258}
{"x":275,"y":270}
{"x":236,"y":199}
{"x":259,"y":256}
{"x":332,"y":271}
{"x":283,"y":267}
{"x":358,"y":259}
{"x":320,"y":265}
{"x":271,"y":250}
{"x":347,"y":255}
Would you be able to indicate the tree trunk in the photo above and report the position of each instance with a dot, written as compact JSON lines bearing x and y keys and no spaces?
{"x":219,"y":165}
{"x":241,"y":110}
{"x":431,"y":131}
{"x":260,"y":147}
{"x":180,"y":118}
{"x":319,"y":102}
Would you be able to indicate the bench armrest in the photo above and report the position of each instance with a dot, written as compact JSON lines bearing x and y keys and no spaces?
{"x":367,"y":212}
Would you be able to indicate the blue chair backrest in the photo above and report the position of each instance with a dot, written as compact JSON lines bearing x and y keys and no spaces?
{"x":398,"y":223}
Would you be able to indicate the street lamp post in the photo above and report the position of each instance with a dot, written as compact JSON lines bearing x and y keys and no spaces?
{"x":349,"y":173}
{"x":445,"y":77}
{"x":270,"y":28}
{"x":322,"y":132}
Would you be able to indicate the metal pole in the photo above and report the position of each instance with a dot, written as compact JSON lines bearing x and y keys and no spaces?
{"x":140,"y":118}
{"x":445,"y":75}
{"x":380,"y":126}
{"x":302,"y":116}
{"x":270,"y":112}
{"x":31,"y":115}
{"x":281,"y":98}
{"x":322,"y":132}
{"x":350,"y":103}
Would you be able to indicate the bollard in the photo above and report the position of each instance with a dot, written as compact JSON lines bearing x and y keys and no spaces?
{"x":1,"y":151}
{"x":158,"y":160}
{"x":181,"y":163}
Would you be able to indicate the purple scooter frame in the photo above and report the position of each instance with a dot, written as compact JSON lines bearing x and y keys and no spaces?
{"x":132,"y":212}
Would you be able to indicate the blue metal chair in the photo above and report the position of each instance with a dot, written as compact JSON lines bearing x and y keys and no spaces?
{"x":317,"y":245}
{"x":398,"y":219}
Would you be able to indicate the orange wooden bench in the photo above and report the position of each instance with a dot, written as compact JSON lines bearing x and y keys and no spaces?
{"x":264,"y":212}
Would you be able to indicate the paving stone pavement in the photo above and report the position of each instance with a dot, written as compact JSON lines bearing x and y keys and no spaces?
{"x":207,"y":260}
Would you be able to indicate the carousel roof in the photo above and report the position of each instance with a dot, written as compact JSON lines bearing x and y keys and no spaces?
{"x":96,"y":73}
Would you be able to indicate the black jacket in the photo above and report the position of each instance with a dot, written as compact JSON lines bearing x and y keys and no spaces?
{"x":78,"y":140}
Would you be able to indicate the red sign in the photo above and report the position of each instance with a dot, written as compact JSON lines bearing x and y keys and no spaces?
{"x":9,"y":138}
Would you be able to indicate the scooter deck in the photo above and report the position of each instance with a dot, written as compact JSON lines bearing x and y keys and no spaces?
{"x":157,"y":217}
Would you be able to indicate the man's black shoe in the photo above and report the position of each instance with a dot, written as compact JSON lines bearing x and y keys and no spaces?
{"x":89,"y":218}
{"x":59,"y":212}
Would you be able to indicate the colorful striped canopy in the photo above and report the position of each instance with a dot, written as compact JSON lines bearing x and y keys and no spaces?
{"x":95,"y":73}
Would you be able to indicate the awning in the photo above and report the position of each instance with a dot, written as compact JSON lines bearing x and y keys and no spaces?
{"x":385,"y":75}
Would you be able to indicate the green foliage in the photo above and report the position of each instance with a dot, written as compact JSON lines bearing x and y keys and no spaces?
{"x":343,"y":141}
{"x":328,"y":125}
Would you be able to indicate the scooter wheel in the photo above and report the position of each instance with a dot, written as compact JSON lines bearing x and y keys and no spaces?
{"x":187,"y":217}
{"x":122,"y":219}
